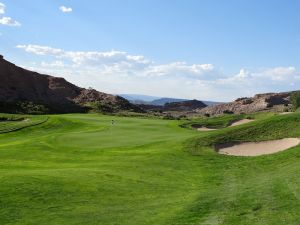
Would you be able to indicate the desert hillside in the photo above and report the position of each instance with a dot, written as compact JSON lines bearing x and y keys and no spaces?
{"x":19,"y":85}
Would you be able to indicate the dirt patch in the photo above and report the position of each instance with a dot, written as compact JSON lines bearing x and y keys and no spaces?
{"x":257,"y":148}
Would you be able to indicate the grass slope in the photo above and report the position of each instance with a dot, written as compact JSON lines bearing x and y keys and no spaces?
{"x":10,"y":122}
{"x":81,"y":169}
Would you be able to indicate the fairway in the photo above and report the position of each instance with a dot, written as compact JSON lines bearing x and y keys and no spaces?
{"x":84,"y":169}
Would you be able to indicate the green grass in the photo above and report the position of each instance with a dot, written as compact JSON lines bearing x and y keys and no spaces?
{"x":81,"y":169}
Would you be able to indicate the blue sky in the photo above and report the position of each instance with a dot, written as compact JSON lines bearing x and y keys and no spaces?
{"x":204,"y":49}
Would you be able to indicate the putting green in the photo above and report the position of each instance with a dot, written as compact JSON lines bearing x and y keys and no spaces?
{"x":82,"y":169}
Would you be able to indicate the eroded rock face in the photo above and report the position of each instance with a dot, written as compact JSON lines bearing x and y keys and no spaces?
{"x":260,"y":102}
{"x":18,"y":84}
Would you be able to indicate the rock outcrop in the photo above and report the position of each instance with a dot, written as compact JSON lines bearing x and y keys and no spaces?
{"x":260,"y":102}
{"x":58,"y":95}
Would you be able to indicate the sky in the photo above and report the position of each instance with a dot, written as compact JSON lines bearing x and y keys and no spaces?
{"x":197,"y":49}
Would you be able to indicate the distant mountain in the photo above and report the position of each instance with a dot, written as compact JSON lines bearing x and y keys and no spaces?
{"x":189,"y":105}
{"x":158,"y":101}
{"x":182,"y":106}
{"x":21,"y":88}
{"x":136,"y":97}
{"x":163,"y":101}
{"x":211,"y":103}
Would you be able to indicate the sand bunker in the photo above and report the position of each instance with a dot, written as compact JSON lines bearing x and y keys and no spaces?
{"x":240,"y":122}
{"x":233,"y":124}
{"x":257,"y":148}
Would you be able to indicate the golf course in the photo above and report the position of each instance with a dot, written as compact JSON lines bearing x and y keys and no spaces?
{"x":99,"y":169}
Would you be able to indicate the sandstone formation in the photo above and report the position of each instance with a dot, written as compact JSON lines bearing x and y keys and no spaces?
{"x":260,"y":102}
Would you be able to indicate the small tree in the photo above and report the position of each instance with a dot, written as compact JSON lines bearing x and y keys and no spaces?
{"x":168,"y":116}
{"x":295,"y":100}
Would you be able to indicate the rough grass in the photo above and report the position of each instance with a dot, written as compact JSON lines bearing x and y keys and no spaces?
{"x":10,"y":122}
{"x":215,"y":122}
{"x":223,"y":121}
{"x":81,"y":169}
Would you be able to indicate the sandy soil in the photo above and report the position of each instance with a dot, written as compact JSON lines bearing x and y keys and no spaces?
{"x":240,"y":122}
{"x":258,"y":148}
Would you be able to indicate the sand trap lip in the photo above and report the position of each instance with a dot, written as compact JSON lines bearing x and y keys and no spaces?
{"x":205,"y":129}
{"x":257,"y":148}
{"x":233,"y":124}
{"x":240,"y":122}
{"x":285,"y":113}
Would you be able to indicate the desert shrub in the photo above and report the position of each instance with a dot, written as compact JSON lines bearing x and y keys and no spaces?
{"x":227,"y":112}
{"x":168,"y":117}
{"x":32,"y":108}
{"x":182,"y":117}
{"x":23,"y":108}
{"x":102,"y":107}
{"x":295,"y":100}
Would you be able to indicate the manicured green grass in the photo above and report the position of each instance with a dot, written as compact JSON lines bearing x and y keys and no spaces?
{"x":82,"y":169}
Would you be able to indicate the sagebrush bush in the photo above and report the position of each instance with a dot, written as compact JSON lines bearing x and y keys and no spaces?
{"x":295,"y":100}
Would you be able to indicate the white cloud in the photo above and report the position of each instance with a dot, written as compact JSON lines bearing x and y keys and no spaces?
{"x":58,"y":64}
{"x":65,"y":9}
{"x":2,"y":8}
{"x":120,"y":72}
{"x":41,"y":50}
{"x":113,"y":59}
{"x":243,"y":74}
{"x":180,"y":68}
{"x":5,"y":20}
{"x":9,"y":22}
{"x":280,"y":73}
{"x":117,"y":60}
